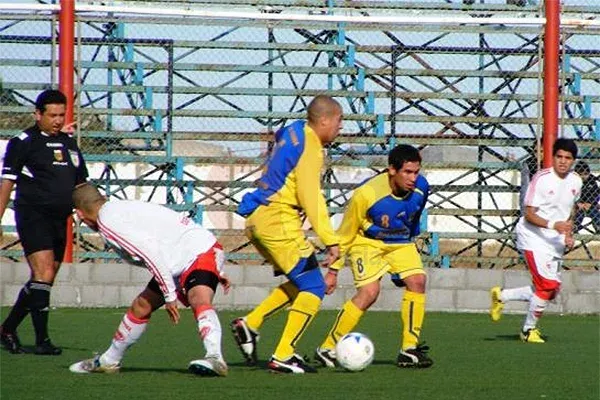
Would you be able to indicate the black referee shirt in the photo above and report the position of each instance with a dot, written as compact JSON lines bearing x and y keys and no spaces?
{"x":46,"y":169}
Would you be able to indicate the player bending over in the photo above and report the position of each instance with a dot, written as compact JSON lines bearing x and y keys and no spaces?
{"x":290,"y":183}
{"x":377,"y":234}
{"x":185,"y":260}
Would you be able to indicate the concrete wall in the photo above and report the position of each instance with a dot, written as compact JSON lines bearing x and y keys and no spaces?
{"x":466,"y":290}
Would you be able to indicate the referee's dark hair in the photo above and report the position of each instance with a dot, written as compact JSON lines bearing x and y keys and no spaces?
{"x":565,"y":145}
{"x":49,"y":97}
{"x":401,"y":154}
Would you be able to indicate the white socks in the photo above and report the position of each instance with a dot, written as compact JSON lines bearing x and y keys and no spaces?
{"x":536,"y":309}
{"x":128,"y":333}
{"x":131,"y":329}
{"x":520,"y":294}
{"x":209,"y":329}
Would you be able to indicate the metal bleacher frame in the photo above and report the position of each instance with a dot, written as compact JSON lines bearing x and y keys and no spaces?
{"x":368,"y":78}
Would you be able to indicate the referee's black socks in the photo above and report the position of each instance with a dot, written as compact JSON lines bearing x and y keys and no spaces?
{"x":39,"y":304}
{"x":19,"y":310}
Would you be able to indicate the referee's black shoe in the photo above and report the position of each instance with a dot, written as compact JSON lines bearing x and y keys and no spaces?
{"x":46,"y":348}
{"x":10,"y":341}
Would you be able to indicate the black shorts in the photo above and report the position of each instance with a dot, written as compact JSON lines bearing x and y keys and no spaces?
{"x":41,"y":231}
{"x":195,"y":278}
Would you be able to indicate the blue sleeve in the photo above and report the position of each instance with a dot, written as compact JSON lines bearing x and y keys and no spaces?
{"x":423,"y":186}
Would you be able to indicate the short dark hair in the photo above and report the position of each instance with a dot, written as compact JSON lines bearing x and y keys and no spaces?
{"x":49,"y":97}
{"x":401,"y":154}
{"x":565,"y":145}
{"x":582,"y":168}
{"x":322,"y":106}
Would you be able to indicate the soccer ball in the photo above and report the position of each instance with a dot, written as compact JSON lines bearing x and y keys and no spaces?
{"x":354,"y":351}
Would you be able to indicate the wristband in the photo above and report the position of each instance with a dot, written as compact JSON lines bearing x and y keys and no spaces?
{"x":550,"y":224}
{"x":332,"y":272}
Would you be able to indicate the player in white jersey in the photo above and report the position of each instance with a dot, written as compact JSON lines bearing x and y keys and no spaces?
{"x":543,"y":233}
{"x":185,"y":260}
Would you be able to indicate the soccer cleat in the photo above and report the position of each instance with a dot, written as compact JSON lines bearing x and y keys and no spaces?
{"x":497,"y":304}
{"x":293,"y":365}
{"x":46,"y":348}
{"x":532,"y":336}
{"x":209,"y":366}
{"x":10,"y":341}
{"x":326,"y":357}
{"x":414,"y":358}
{"x":94,"y":365}
{"x":246,"y":340}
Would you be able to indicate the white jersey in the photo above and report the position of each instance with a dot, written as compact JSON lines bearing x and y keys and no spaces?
{"x":554,"y":198}
{"x":164,"y":241}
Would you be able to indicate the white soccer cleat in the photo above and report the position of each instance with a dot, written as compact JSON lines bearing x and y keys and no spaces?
{"x":94,"y":365}
{"x":210,"y":366}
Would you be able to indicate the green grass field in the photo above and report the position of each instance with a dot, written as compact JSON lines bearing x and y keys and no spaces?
{"x":474,"y":359}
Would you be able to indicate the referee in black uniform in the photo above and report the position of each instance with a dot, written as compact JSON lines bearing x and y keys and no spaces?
{"x":46,"y":165}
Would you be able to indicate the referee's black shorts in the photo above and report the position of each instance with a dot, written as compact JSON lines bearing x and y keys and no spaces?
{"x":40,"y":230}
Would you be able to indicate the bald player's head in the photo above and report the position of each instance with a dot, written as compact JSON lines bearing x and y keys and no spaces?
{"x":87,"y":197}
{"x":88,"y":200}
{"x":324,"y":116}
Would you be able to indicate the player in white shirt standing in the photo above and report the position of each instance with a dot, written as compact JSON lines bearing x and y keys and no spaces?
{"x":543,"y":232}
{"x":185,"y":260}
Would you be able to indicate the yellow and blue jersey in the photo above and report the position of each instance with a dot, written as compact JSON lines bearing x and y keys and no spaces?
{"x":291,"y":182}
{"x":377,"y":217}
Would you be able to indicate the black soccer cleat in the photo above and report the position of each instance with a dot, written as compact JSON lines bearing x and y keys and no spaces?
{"x":46,"y":348}
{"x":246,"y":340}
{"x":293,"y":365}
{"x":326,"y":357}
{"x":10,"y":341}
{"x":414,"y":358}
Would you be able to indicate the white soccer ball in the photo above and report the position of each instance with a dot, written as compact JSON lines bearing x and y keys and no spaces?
{"x":354,"y":351}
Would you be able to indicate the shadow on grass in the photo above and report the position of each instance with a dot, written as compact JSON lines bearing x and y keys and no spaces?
{"x":159,"y":370}
{"x":511,"y":338}
{"x":30,"y":349}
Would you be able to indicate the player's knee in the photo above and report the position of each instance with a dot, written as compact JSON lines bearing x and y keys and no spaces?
{"x":416,"y":283}
{"x":141,"y":307}
{"x":367,"y":295}
{"x":45,"y":274}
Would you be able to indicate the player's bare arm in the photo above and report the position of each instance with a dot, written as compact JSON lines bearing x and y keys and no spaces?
{"x":330,"y":281}
{"x":224,"y":280}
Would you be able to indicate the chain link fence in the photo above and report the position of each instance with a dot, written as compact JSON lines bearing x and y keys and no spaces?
{"x":180,"y":109}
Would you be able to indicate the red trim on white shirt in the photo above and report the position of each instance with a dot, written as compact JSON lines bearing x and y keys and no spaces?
{"x":133,"y":250}
{"x":534,"y":180}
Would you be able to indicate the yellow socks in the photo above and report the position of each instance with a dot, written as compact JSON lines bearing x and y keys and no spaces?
{"x":345,"y":321}
{"x":279,"y":298}
{"x":301,"y":314}
{"x":412,"y":313}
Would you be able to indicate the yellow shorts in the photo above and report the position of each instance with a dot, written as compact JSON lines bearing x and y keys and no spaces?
{"x":370,"y":263}
{"x":277,"y":234}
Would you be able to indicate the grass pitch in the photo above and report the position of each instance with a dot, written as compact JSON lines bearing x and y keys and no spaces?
{"x":474,"y":359}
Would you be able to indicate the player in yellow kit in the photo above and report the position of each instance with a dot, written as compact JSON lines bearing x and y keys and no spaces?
{"x":377,"y":234}
{"x":291,"y":184}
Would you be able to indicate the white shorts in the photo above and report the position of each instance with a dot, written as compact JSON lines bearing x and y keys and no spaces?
{"x":545,"y":269}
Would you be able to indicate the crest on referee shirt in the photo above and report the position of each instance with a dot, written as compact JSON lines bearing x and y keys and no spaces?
{"x":74,"y":158}
{"x":58,"y":155}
